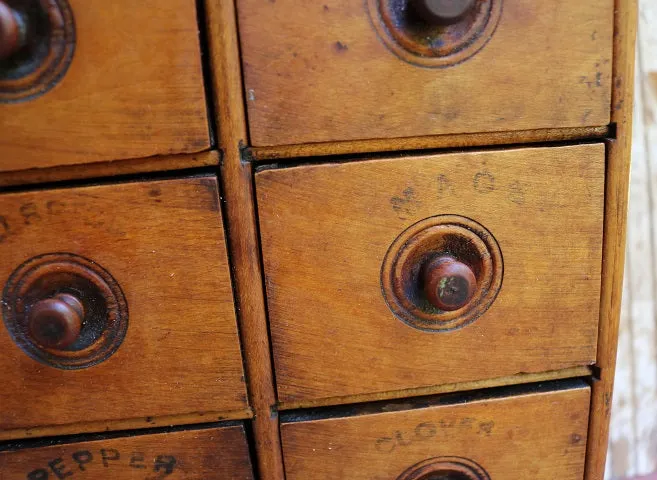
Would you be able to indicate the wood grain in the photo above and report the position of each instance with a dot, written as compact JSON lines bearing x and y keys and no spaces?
{"x":125,"y":424}
{"x":621,"y":461}
{"x":163,"y":242}
{"x":518,"y":379}
{"x":159,"y":163}
{"x":634,"y":416}
{"x":134,"y":89}
{"x":325,"y":231}
{"x":195,"y":454}
{"x":292,"y":152}
{"x":644,"y":327}
{"x":615,"y":228}
{"x":537,"y":436}
{"x":237,"y":185}
{"x":318,"y":72}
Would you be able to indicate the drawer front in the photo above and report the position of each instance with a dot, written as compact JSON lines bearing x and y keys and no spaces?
{"x":133,"y":281}
{"x":127,"y":84}
{"x":539,"y":435}
{"x":194,"y":454}
{"x":332,"y":70}
{"x":349,"y":313}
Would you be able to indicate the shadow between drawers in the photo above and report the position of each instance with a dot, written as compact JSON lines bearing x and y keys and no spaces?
{"x":381,"y":406}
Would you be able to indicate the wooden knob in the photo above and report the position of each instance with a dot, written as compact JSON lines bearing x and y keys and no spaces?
{"x":445,"y":468}
{"x":10,"y":31}
{"x":56,"y":322}
{"x":443,"y":12}
{"x":448,"y":283}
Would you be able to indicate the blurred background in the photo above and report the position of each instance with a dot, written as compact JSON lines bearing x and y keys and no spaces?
{"x":633,"y":436}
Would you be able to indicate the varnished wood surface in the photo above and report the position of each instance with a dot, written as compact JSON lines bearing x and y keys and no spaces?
{"x":148,"y":113}
{"x":521,"y":378}
{"x":538,"y":436}
{"x":237,"y":186}
{"x":318,"y":72}
{"x":157,"y":163}
{"x":615,"y":228}
{"x":292,"y":152}
{"x":126,"y":424}
{"x":163,"y":242}
{"x":325,"y":230}
{"x":220,"y":453}
{"x":134,"y":89}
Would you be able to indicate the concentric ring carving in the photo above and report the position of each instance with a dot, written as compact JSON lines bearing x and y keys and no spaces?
{"x":426,"y":44}
{"x":445,"y":468}
{"x":105,"y":320}
{"x":443,"y":235}
{"x":44,"y":59}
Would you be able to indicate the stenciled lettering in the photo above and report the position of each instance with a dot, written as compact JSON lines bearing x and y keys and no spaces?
{"x":82,"y":458}
{"x":81,"y":461}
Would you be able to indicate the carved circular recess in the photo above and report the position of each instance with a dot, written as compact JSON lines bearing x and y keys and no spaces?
{"x":445,"y":468}
{"x":42,"y":51}
{"x":425,"y":294}
{"x":435,"y":33}
{"x":65,"y":311}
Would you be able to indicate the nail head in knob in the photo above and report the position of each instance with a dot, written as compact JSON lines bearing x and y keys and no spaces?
{"x":56,"y":322}
{"x":413,"y":269}
{"x":10,"y":31}
{"x":445,"y":12}
{"x":449,"y":284}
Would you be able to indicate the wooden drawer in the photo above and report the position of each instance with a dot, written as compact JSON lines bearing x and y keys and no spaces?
{"x":220,"y":453}
{"x":147,"y":262}
{"x":345,"y":285}
{"x":329,"y":71}
{"x":124,"y":81}
{"x":539,"y":435}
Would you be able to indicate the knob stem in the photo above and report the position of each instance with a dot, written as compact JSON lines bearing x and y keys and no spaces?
{"x":12,"y":33}
{"x":448,"y":283}
{"x":56,"y":322}
{"x":443,"y":12}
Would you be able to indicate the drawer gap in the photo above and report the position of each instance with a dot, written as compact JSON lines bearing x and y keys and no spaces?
{"x":385,"y":406}
{"x":248,"y":153}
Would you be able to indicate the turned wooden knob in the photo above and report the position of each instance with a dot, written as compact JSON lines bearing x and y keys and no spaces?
{"x":445,"y":475}
{"x":10,"y":31}
{"x":448,"y":283}
{"x":445,"y":468}
{"x":443,"y":12}
{"x":56,"y":322}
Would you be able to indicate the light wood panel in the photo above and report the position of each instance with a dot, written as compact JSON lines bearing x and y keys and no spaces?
{"x":633,"y":432}
{"x":326,"y":229}
{"x":640,"y":355}
{"x":318,"y":72}
{"x":220,"y":453}
{"x":645,"y":331}
{"x":537,"y":435}
{"x":163,"y":242}
{"x":622,"y":444}
{"x":134,"y":89}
